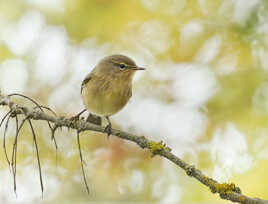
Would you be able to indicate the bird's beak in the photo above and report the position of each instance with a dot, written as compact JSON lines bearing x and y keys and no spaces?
{"x":137,"y":68}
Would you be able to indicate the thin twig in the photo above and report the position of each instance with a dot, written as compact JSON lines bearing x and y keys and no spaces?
{"x":37,"y":155}
{"x":30,"y":99}
{"x":40,"y":107}
{"x":3,"y":119}
{"x":53,"y":137}
{"x":53,"y":130}
{"x":14,"y":156}
{"x":226,"y":191}
{"x":4,"y":138}
{"x":49,"y":109}
{"x":81,"y":161}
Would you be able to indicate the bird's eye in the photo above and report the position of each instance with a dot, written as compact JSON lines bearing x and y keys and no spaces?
{"x":122,"y":65}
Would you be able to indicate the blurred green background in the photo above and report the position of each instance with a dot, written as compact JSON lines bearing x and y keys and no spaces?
{"x":204,"y":93}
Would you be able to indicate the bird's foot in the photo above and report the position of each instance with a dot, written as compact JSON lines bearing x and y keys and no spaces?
{"x":108,"y":130}
{"x":94,"y":119}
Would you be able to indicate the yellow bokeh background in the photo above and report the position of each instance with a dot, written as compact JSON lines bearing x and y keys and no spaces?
{"x":116,"y":24}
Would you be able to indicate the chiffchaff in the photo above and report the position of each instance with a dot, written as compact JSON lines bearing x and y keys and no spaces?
{"x":108,"y":87}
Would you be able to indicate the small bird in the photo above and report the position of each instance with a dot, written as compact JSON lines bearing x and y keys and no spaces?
{"x":108,"y":87}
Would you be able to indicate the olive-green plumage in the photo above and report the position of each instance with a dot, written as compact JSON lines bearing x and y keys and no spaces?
{"x":108,"y":87}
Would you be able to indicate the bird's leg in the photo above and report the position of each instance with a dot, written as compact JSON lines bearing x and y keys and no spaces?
{"x":76,"y":117}
{"x":94,"y":119}
{"x":108,"y":128}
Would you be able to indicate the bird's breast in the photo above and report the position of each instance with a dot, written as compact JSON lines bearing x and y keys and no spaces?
{"x":106,"y":96}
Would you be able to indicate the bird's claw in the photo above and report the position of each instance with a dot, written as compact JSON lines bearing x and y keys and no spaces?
{"x":108,"y":130}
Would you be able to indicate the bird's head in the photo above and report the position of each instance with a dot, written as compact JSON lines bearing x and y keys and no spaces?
{"x":118,"y":65}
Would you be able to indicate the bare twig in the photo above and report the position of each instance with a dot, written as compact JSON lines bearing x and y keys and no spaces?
{"x":49,"y":109}
{"x":82,"y":161}
{"x":37,"y":155}
{"x":4,"y":138}
{"x":226,"y":191}
{"x":14,"y":151}
{"x":41,"y":108}
{"x":3,"y":119}
{"x":14,"y":156}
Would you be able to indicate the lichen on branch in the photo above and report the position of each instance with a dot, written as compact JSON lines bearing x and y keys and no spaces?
{"x":227,"y":191}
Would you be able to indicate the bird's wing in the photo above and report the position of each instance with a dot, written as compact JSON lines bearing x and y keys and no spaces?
{"x":85,"y":81}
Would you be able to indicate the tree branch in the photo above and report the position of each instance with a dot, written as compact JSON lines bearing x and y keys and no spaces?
{"x":227,"y":191}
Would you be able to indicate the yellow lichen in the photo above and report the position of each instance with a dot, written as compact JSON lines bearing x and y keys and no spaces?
{"x":225,"y":188}
{"x":156,"y":147}
{"x":221,"y":188}
{"x":242,"y":198}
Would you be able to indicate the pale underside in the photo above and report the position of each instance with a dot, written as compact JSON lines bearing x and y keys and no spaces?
{"x":105,"y":97}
